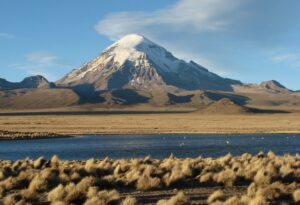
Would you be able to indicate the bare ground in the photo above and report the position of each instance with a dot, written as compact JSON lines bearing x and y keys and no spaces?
{"x":152,"y":123}
{"x":196,"y":195}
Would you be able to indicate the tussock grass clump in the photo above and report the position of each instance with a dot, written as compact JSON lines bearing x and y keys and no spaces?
{"x":90,"y":166}
{"x":39,"y":162}
{"x":146,"y":182}
{"x":233,"y":201}
{"x":296,"y":195}
{"x":9,"y":200}
{"x":57,"y":194}
{"x":226,"y":177}
{"x":103,"y":198}
{"x":58,"y":203}
{"x":178,"y":199}
{"x":129,"y":201}
{"x":259,"y":200}
{"x":215,"y":197}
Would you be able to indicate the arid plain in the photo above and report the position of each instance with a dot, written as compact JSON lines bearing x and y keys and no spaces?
{"x":193,"y":122}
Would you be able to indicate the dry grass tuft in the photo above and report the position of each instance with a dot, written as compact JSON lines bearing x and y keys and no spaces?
{"x":90,"y":166}
{"x":270,"y":179}
{"x":178,"y":199}
{"x":215,"y":196}
{"x":226,"y":177}
{"x":129,"y":201}
{"x":58,"y":203}
{"x":232,"y":201}
{"x":103,"y":198}
{"x":146,"y":182}
{"x":296,"y":195}
{"x":38,"y":163}
{"x":57,"y":194}
{"x":259,"y":200}
{"x":9,"y":200}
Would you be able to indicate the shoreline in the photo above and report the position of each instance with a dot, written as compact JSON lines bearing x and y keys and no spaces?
{"x":11,"y":136}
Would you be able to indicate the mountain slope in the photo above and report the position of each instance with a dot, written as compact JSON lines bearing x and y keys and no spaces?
{"x":271,"y":86}
{"x":133,"y":71}
{"x":226,"y":106}
{"x":37,"y":98}
{"x":37,"y":81}
{"x":137,"y":63}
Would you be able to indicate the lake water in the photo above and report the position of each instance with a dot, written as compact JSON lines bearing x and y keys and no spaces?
{"x":157,"y":146}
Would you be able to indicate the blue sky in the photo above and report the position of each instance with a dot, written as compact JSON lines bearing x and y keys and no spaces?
{"x":249,"y":40}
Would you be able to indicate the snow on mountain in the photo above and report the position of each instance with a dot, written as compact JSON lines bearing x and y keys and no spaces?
{"x":136,"y":62}
{"x":133,"y":46}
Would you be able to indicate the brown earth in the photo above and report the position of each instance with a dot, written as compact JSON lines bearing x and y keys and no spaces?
{"x":145,"y":123}
{"x":37,"y":98}
{"x":226,"y":106}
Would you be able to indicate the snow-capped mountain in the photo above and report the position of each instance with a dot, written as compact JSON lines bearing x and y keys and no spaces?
{"x":137,"y":63}
{"x":135,"y":70}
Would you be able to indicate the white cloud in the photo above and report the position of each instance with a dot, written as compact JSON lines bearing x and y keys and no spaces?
{"x":42,"y":57}
{"x":42,"y":63}
{"x":292,"y":59}
{"x":197,"y":15}
{"x":183,"y":23}
{"x":7,"y":35}
{"x":226,"y":36}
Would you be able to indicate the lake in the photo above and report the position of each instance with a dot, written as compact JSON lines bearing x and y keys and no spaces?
{"x":157,"y":146}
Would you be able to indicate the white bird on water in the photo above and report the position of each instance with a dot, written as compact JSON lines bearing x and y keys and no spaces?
{"x":227,"y":142}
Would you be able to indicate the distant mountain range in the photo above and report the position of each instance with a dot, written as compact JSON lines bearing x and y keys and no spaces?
{"x":30,"y":82}
{"x":135,"y":70}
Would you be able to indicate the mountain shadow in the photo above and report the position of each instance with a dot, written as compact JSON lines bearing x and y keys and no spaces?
{"x":128,"y":96}
{"x":174,"y":99}
{"x":88,"y":94}
{"x":238,"y":99}
{"x":120,"y":78}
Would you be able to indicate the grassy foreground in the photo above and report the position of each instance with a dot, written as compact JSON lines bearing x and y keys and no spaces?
{"x":152,"y":123}
{"x":243,"y":180}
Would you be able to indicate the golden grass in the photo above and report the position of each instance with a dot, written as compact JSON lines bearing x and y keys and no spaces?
{"x":178,"y":199}
{"x":153,"y":123}
{"x":94,"y":181}
{"x":296,"y":195}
